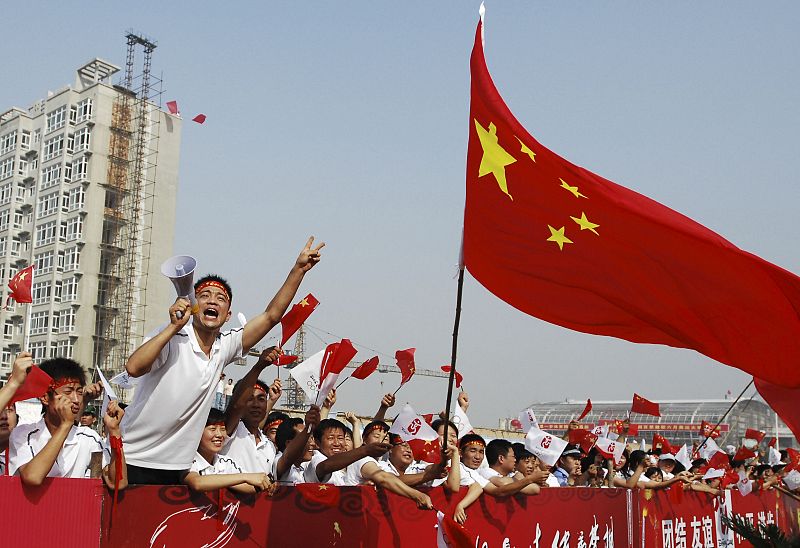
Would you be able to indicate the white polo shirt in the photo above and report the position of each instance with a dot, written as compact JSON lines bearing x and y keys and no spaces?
{"x":387,"y":466}
{"x":251,"y":456}
{"x":74,"y":459}
{"x":163,"y":425}
{"x":334,"y":478}
{"x":221,"y":465}
{"x":470,"y":476}
{"x":294,"y":474}
{"x":489,"y":473}
{"x":353,"y":475}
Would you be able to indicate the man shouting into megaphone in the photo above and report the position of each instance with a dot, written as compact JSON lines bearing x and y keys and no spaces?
{"x":178,"y":367}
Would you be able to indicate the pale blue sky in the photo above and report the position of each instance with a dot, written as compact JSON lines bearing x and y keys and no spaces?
{"x":349,"y":120}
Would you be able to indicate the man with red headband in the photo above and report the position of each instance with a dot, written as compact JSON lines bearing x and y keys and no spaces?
{"x":178,"y":368}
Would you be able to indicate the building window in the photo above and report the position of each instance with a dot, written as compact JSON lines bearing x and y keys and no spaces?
{"x":45,"y":233}
{"x":75,"y":198}
{"x":15,"y":245}
{"x":37,"y":136}
{"x":72,"y":259}
{"x":8,"y":142}
{"x":38,"y":350}
{"x":85,"y":110}
{"x":25,"y":140}
{"x":70,"y":290}
{"x":51,"y":176}
{"x":67,"y":323}
{"x":22,"y":167}
{"x":3,"y":240}
{"x":64,"y":349}
{"x":39,"y":322}
{"x":6,"y":357}
{"x":52,"y":147}
{"x":74,"y":229}
{"x":6,"y":168}
{"x":82,"y":139}
{"x":5,"y":218}
{"x":43,"y":262}
{"x":56,"y":119}
{"x":80,"y":169}
{"x":47,"y":204}
{"x":5,"y":193}
{"x":8,"y":330}
{"x":41,"y":292}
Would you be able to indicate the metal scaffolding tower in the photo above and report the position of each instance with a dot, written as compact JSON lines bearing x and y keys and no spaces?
{"x":128,"y":214}
{"x":295,"y":397}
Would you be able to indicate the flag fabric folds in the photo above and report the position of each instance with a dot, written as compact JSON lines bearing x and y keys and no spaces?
{"x":20,"y":286}
{"x":545,"y":446}
{"x":784,"y":401}
{"x":36,"y":384}
{"x":753,"y":434}
{"x":577,"y":250}
{"x":459,"y":376}
{"x":644,"y":406}
{"x":365,"y":369}
{"x":336,"y":358}
{"x":708,"y":430}
{"x":173,"y":107}
{"x":405,"y":362}
{"x":298,"y":314}
{"x":586,"y":410}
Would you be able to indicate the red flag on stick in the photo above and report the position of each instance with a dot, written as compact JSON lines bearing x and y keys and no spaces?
{"x":173,"y":107}
{"x":584,"y":438}
{"x":708,"y":430}
{"x":574,"y":249}
{"x":336,"y":358}
{"x":20,"y":286}
{"x":366,"y":369}
{"x":459,"y":376}
{"x":296,"y":317}
{"x":405,"y":361}
{"x":772,"y":442}
{"x":660,"y":442}
{"x":744,"y":453}
{"x":644,"y":406}
{"x":753,"y":434}
{"x":586,"y":410}
{"x":286,"y":359}
{"x":784,"y":402}
{"x":426,"y":450}
{"x":36,"y":384}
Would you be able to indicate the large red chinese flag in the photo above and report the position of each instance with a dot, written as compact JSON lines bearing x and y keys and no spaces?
{"x":784,"y":401}
{"x":299,"y":313}
{"x":574,"y":249}
{"x":644,"y":406}
{"x":20,"y":285}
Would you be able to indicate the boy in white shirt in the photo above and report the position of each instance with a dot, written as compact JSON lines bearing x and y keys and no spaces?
{"x":296,"y":447}
{"x":210,"y":471}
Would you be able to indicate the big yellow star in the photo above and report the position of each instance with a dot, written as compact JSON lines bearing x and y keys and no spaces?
{"x":531,"y":154}
{"x":572,"y":189}
{"x":585,"y":223}
{"x":304,"y":302}
{"x":558,"y":237}
{"x":495,"y":158}
{"x":23,"y":276}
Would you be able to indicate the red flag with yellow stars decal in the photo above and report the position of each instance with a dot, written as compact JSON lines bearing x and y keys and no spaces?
{"x":21,"y":284}
{"x":299,"y":313}
{"x":577,"y":250}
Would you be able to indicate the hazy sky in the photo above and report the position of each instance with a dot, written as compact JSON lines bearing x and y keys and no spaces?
{"x":349,"y":121}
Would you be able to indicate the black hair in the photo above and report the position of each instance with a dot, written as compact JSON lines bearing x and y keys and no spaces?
{"x":215,"y":415}
{"x":652,"y":471}
{"x":496,"y":449}
{"x":520,"y":452}
{"x":89,"y":411}
{"x":64,"y":368}
{"x":634,"y":459}
{"x":328,"y":424}
{"x":439,"y":422}
{"x":276,"y":416}
{"x":259,"y":382}
{"x":383,"y":426}
{"x":218,"y":279}
{"x":469,"y":438}
{"x":761,"y":468}
{"x":286,"y":432}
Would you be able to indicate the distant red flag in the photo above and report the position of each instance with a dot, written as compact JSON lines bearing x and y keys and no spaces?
{"x":582,"y":437}
{"x":565,"y":245}
{"x":299,"y":313}
{"x":644,"y":406}
{"x":793,"y":456}
{"x":515,"y":423}
{"x":586,"y":410}
{"x":200,"y":118}
{"x":772,"y":442}
{"x":660,"y":442}
{"x":366,"y":369}
{"x":719,"y":461}
{"x":20,"y":286}
{"x":459,"y":376}
{"x":743,"y":454}
{"x":173,"y":107}
{"x":706,"y":430}
{"x":321,"y":493}
{"x":753,"y":434}
{"x":36,"y":384}
{"x":784,"y":402}
{"x":405,"y":361}
{"x":336,"y":358}
{"x":426,"y":450}
{"x":286,"y":359}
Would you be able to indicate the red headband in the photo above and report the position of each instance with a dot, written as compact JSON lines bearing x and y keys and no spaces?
{"x":212,"y":283}
{"x":375,"y":427}
{"x":274,"y":424}
{"x":259,"y":387}
{"x":216,"y":423}
{"x":476,"y":443}
{"x":61,"y":382}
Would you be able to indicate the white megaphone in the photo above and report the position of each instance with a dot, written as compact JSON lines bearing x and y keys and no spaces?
{"x":180,"y":270}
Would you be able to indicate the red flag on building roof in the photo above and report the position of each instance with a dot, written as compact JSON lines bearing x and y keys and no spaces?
{"x":586,"y":410}
{"x":173,"y":107}
{"x":405,"y":361}
{"x":644,"y":406}
{"x":459,"y":376}
{"x":366,"y":369}
{"x":574,"y":249}
{"x":36,"y":384}
{"x":20,"y":286}
{"x":298,"y":314}
{"x":784,"y":402}
{"x":753,"y":434}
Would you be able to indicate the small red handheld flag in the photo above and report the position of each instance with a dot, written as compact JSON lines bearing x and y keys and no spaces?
{"x":708,"y":430}
{"x":20,"y":286}
{"x":753,"y":434}
{"x":515,"y":423}
{"x":336,"y":358}
{"x":772,"y":442}
{"x":584,"y":438}
{"x":286,"y":359}
{"x":405,"y":361}
{"x":744,"y":453}
{"x":459,"y":376}
{"x":426,"y":450}
{"x":660,"y":442}
{"x":366,"y":369}
{"x":586,"y":410}
{"x":644,"y":406}
{"x":299,"y":313}
{"x":36,"y":384}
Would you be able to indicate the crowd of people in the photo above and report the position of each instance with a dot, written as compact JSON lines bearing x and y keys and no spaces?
{"x":181,"y":428}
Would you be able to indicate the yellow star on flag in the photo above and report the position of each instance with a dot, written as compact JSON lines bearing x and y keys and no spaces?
{"x":495,"y":158}
{"x":572,"y":189}
{"x":304,"y":302}
{"x":23,"y":276}
{"x":585,"y":223}
{"x":558,"y":237}
{"x":526,"y":150}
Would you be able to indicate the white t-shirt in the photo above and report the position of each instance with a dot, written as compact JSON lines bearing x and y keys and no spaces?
{"x":387,"y":466}
{"x":228,"y":389}
{"x":251,"y":456}
{"x":334,"y":478}
{"x":293,"y":475}
{"x":470,"y":476}
{"x":220,"y":387}
{"x":552,"y":481}
{"x":352,"y":474}
{"x":489,"y":473}
{"x":163,"y":425}
{"x":74,"y":459}
{"x":221,"y":465}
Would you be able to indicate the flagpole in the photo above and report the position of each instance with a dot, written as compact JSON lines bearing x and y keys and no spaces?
{"x":453,"y":354}
{"x":27,"y":336}
{"x":722,"y":418}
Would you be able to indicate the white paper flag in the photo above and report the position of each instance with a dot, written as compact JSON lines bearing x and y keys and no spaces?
{"x":306,"y":374}
{"x":792,"y":480}
{"x":546,"y":447}
{"x":462,"y":422}
{"x":745,"y":485}
{"x":410,"y":426}
{"x":528,"y":420}
{"x":610,"y":448}
{"x":774,"y":456}
{"x":124,"y":380}
{"x":108,"y":393}
{"x":684,"y":457}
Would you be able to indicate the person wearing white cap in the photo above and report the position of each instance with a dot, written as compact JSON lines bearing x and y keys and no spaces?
{"x":666,"y":462}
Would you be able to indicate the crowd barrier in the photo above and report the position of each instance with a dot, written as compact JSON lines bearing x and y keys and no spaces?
{"x":68,"y":512}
